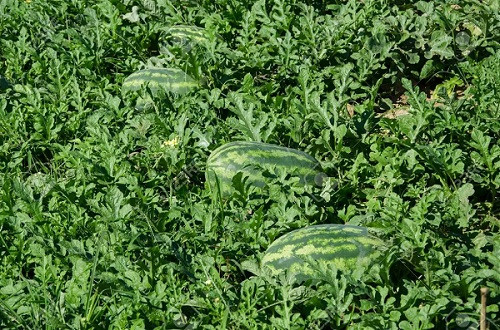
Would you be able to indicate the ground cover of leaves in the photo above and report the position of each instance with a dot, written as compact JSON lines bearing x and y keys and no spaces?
{"x":105,"y":218}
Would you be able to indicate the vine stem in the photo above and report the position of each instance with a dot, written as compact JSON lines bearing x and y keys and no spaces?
{"x":484,"y":293}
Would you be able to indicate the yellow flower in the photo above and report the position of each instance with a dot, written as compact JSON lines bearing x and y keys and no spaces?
{"x":171,"y":143}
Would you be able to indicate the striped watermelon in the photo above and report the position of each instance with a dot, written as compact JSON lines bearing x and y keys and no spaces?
{"x":342,"y":246}
{"x":184,"y":34}
{"x":173,"y":80}
{"x":226,"y":161}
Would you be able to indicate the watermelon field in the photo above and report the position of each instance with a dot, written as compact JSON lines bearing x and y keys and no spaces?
{"x":234,"y":164}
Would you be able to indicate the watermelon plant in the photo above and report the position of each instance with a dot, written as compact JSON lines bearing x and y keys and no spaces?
{"x":107,"y":214}
{"x":344,"y":247}
{"x":252,"y":159}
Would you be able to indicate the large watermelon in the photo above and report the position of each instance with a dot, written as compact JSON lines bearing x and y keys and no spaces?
{"x":342,"y":246}
{"x":170,"y":79}
{"x":229,"y":159}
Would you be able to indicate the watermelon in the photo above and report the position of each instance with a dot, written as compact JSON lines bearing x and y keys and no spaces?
{"x":342,"y":246}
{"x":184,"y":34}
{"x":173,"y":80}
{"x":229,"y":159}
{"x":186,"y":37}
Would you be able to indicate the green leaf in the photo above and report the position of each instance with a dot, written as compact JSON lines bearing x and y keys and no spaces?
{"x":440,"y":44}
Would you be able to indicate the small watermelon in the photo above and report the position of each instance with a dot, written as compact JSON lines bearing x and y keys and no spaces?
{"x":184,"y":34}
{"x":170,"y":79}
{"x":342,"y":246}
{"x":226,"y":161}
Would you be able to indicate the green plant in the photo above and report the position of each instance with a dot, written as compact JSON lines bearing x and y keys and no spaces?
{"x":106,"y":220}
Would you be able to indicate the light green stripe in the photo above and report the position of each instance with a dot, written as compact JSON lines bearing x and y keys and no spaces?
{"x":228,"y":146}
{"x":265,"y":152}
{"x":341,"y":245}
{"x":324,"y":233}
{"x":188,"y":32}
{"x":170,"y":79}
{"x":285,"y":157}
{"x":231,"y":158}
{"x":292,"y":251}
{"x":320,"y":230}
{"x":227,"y":177}
{"x":324,"y":242}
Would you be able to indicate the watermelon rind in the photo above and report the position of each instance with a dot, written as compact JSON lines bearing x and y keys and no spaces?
{"x":184,"y":33}
{"x":343,"y":247}
{"x":186,"y":37}
{"x":169,"y":79}
{"x":249,"y":157}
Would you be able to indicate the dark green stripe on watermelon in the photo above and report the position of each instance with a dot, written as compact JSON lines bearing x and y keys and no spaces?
{"x":226,"y":161}
{"x":169,"y":79}
{"x":342,"y":246}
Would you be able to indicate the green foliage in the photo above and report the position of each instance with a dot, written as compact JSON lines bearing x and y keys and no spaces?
{"x":106,"y":220}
